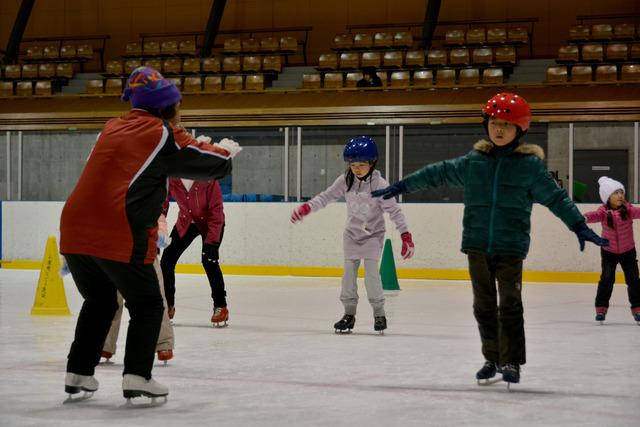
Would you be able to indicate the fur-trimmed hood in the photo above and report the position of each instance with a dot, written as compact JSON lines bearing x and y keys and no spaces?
{"x":528,"y":149}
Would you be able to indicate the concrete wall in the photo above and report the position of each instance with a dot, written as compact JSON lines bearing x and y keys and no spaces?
{"x":261,"y":234}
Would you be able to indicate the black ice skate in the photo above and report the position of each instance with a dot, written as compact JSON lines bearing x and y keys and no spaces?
{"x":636,"y":314}
{"x":347,"y":323}
{"x":511,"y":373}
{"x":600,"y":317}
{"x":487,"y":372}
{"x":380,"y":324}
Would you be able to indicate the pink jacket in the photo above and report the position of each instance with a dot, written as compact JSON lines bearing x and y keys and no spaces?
{"x":202,"y":205}
{"x":621,"y":235}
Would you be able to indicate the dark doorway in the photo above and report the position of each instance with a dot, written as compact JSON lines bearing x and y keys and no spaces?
{"x":589,"y":165}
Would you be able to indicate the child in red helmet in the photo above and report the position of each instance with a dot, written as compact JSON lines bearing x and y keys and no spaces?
{"x":501,"y":179}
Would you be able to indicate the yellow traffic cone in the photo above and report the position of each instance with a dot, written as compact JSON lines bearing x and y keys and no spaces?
{"x":50,"y":297}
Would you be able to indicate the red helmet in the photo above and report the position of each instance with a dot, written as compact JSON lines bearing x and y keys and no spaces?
{"x":510,"y":108}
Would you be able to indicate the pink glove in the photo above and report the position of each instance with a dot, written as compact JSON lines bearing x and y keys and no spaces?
{"x":408,"y":248}
{"x":299,"y":213}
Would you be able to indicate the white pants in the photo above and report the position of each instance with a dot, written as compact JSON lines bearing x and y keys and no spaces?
{"x":372,"y":282}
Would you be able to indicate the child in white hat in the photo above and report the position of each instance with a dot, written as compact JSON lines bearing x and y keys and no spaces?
{"x":616,"y":216}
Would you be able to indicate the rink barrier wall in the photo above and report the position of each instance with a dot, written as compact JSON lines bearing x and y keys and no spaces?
{"x":260,"y":240}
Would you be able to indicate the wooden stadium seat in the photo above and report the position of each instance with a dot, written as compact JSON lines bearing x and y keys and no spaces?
{"x":311,"y":81}
{"x":288,"y":44}
{"x":617,"y":52}
{"x":133,"y":49}
{"x":482,"y":55}
{"x":191,"y":65}
{"x":231,"y":64}
{"x":29,"y":71}
{"x":177,"y":81}
{"x":423,"y":78}
{"x":34,"y":52}
{"x":601,"y":32}
{"x":352,"y":79}
{"x":414,"y":58}
{"x":156,"y":64}
{"x":210,"y":65}
{"x":151,"y":48}
{"x":518,"y":35}
{"x":114,"y":67}
{"x":454,"y":37}
{"x":65,"y":70}
{"x":403,"y":39}
{"x":12,"y":72}
{"x":459,"y":56}
{"x":624,"y":31}
{"x":496,"y":35}
{"x":187,"y":47}
{"x":505,"y":55}
{"x":606,"y":73}
{"x":95,"y":86}
{"x":250,"y":45}
{"x":568,"y":54}
{"x":630,"y":73}
{"x":392,"y":59}
{"x":233,"y":83}
{"x":251,"y":64}
{"x":469,"y":77}
{"x":592,"y":52}
{"x":131,"y":65}
{"x":363,"y":41}
{"x":46,"y":71}
{"x":328,"y":61}
{"x":343,"y":41}
{"x":6,"y":89}
{"x":476,"y":36}
{"x":445,"y":77}
{"x":232,"y":45}
{"x":269,"y":44}
{"x":85,"y":51}
{"x":254,"y":82}
{"x":192,"y":84}
{"x":557,"y":74}
{"x":51,"y":52}
{"x":400,"y":79}
{"x":272,"y":63}
{"x":371,"y":59}
{"x":24,"y":88}
{"x":113,"y":86}
{"x":634,"y":53}
{"x":581,"y":74}
{"x":579,"y":33}
{"x":213,"y":84}
{"x":169,"y":47}
{"x":172,"y":66}
{"x":437,"y":57}
{"x":349,"y":60}
{"x":333,"y":80}
{"x":383,"y":40}
{"x":493,"y":76}
{"x":43,"y":88}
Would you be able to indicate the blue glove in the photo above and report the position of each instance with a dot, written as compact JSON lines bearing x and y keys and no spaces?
{"x":163,"y":240}
{"x":584,"y":233}
{"x":64,"y":268}
{"x":391,"y":191}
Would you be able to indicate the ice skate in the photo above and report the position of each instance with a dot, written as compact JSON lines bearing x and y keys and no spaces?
{"x":636,"y":314}
{"x":380,"y":324}
{"x":137,"y":386}
{"x":486,"y":373}
{"x":74,"y":384}
{"x":107,"y":355}
{"x":347,"y":323}
{"x":511,"y":374}
{"x":220,"y":315}
{"x":165,"y":355}
{"x":601,"y":313}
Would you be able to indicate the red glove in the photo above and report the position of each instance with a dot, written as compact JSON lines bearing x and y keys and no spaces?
{"x":408,"y":248}
{"x":299,"y":213}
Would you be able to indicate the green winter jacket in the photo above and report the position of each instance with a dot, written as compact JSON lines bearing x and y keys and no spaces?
{"x":500,"y":187}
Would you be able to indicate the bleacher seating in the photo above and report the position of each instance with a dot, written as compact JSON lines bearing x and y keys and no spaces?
{"x":254,"y":82}
{"x":95,"y":86}
{"x":212,"y":83}
{"x":24,"y":88}
{"x":233,"y":82}
{"x":6,"y":89}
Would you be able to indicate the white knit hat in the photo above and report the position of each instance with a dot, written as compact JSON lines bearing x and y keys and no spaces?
{"x":608,"y":186}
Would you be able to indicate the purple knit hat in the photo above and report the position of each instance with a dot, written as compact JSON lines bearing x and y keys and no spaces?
{"x":147,"y":88}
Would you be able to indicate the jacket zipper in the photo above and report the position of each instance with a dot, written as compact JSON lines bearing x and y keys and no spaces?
{"x":493,"y":203}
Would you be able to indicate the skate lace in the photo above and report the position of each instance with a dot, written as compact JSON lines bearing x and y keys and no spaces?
{"x":511,"y":367}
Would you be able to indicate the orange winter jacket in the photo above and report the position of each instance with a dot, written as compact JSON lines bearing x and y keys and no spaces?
{"x":113,"y":211}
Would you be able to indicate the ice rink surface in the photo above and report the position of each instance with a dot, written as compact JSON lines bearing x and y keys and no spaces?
{"x":279,"y":363}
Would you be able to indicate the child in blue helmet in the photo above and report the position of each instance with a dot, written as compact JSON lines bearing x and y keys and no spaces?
{"x":365,"y":228}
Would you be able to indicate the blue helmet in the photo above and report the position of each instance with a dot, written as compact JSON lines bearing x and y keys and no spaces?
{"x":360,"y":149}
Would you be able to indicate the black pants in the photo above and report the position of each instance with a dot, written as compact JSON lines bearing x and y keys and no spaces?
{"x":97,"y":280}
{"x":170,"y":257}
{"x":629,"y":263}
{"x":501,"y":324}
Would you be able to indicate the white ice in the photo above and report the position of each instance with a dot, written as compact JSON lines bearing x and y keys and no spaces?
{"x":279,"y":363}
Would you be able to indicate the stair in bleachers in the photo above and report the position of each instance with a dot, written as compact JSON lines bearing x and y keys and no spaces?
{"x":530,"y":71}
{"x":290,"y":78}
{"x":79,"y":83}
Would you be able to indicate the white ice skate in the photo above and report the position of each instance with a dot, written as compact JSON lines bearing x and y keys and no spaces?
{"x":74,"y":384}
{"x":136,"y":386}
